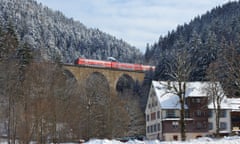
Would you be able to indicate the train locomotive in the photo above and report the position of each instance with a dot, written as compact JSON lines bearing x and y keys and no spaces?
{"x":113,"y":64}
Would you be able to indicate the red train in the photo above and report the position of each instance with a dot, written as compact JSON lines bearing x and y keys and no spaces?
{"x":113,"y":65}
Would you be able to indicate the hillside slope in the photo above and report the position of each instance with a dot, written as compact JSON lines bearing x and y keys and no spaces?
{"x":203,"y":39}
{"x":55,"y":35}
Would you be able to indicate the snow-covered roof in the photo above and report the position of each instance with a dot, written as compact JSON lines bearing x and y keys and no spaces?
{"x":196,"y":89}
{"x":235,"y":104}
{"x":225,"y":104}
{"x":167,"y":96}
{"x":166,"y":100}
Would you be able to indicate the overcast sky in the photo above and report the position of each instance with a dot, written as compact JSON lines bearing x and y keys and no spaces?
{"x":135,"y":21}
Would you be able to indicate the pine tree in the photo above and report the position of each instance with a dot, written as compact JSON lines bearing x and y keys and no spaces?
{"x":24,"y":55}
{"x":1,"y":45}
{"x":8,"y":43}
{"x":147,"y":53}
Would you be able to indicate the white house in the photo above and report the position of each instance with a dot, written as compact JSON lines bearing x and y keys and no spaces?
{"x":163,"y":111}
{"x":225,"y":118}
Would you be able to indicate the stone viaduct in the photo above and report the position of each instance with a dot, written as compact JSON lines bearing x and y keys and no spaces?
{"x":81,"y":73}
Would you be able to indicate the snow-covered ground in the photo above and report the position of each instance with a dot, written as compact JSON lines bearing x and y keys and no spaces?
{"x":226,"y":140}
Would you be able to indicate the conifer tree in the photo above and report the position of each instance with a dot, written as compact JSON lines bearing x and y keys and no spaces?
{"x":24,"y":55}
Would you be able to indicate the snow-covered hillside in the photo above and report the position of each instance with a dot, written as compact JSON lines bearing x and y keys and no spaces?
{"x":55,"y":35}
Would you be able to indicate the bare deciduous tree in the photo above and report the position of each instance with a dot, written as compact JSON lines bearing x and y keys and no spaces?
{"x":224,"y":70}
{"x":48,"y":98}
{"x":179,"y":72}
{"x":231,"y":69}
{"x":8,"y":47}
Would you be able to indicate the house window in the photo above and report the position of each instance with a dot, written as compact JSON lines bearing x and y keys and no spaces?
{"x":199,"y":125}
{"x":210,"y":113}
{"x":187,"y":115}
{"x":223,"y":125}
{"x":159,"y":127}
{"x":223,"y":113}
{"x":151,"y":130}
{"x":175,"y":124}
{"x":155,"y":127}
{"x":198,"y":113}
{"x":170,"y":114}
{"x":149,"y":105}
{"x":193,"y":100}
{"x":158,"y":114}
{"x":148,"y":129}
{"x":198,"y":100}
{"x":210,"y":126}
{"x":154,"y":103}
{"x":153,"y":116}
{"x":147,"y":118}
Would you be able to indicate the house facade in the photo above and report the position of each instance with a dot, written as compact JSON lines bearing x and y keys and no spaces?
{"x":163,"y":112}
{"x":235,"y":115}
{"x":225,"y":125}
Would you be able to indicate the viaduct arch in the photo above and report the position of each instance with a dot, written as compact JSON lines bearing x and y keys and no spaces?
{"x":81,"y":73}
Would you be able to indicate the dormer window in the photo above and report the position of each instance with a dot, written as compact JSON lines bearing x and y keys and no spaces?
{"x":170,"y":113}
{"x":196,"y":100}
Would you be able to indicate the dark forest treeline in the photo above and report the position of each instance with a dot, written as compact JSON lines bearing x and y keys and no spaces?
{"x":205,"y":39}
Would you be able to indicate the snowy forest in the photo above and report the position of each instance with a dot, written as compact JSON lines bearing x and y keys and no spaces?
{"x":209,"y":38}
{"x":204,"y":39}
{"x":55,"y":35}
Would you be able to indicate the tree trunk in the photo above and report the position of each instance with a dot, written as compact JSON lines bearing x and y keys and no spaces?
{"x":218,"y":121}
{"x":182,"y":121}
